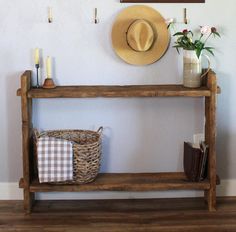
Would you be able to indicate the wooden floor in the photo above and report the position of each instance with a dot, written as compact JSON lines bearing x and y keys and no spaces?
{"x":120,"y":215}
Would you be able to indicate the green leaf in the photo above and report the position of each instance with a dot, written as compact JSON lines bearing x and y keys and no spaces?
{"x":191,"y":32}
{"x":209,"y":48}
{"x":216,"y":33}
{"x":177,"y":50}
{"x":210,"y":51}
{"x":178,"y":33}
{"x":177,"y":46}
{"x":198,"y":52}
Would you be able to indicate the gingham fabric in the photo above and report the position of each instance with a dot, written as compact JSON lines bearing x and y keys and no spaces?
{"x":55,"y":160}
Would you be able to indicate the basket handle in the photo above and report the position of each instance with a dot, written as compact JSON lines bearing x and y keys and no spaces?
{"x":100,"y":129}
{"x":36,"y":133}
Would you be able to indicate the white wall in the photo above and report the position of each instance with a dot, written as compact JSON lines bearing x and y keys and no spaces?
{"x":140,"y":134}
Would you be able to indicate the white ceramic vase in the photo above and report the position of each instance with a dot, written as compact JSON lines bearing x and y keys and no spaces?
{"x":192,"y":72}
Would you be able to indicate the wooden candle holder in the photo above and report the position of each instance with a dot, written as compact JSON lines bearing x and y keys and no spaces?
{"x":49,"y":84}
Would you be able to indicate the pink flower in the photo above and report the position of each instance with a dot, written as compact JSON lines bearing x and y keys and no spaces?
{"x":185,"y":31}
{"x":205,"y":30}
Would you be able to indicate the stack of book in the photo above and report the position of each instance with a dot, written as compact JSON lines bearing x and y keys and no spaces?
{"x":195,"y":161}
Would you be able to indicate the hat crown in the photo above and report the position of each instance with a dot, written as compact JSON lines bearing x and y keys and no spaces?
{"x":140,"y":35}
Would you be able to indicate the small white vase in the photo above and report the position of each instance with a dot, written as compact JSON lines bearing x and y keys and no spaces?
{"x":192,"y":72}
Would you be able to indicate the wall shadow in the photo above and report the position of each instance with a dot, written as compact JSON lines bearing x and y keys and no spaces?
{"x":13,"y":133}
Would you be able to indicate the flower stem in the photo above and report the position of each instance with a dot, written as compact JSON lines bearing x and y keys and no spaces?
{"x":207,"y":38}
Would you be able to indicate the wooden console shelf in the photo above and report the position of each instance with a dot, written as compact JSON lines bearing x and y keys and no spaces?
{"x":125,"y":182}
{"x":120,"y":181}
{"x":118,"y":91}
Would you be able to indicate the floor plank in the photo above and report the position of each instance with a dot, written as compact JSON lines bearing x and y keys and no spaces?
{"x":120,"y":215}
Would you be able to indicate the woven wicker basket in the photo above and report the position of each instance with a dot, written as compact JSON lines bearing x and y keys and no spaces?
{"x":87,"y":148}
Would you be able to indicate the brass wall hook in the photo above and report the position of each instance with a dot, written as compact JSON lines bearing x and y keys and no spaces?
{"x":173,"y":20}
{"x":96,"y":16}
{"x":185,"y":16}
{"x":50,"y":17}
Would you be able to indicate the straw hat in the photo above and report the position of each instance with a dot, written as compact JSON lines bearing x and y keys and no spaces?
{"x":140,"y":35}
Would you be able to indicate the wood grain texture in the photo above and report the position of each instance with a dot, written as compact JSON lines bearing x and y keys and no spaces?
{"x":149,"y":215}
{"x":26,"y":111}
{"x":210,"y":104}
{"x":126,"y":182}
{"x":162,"y":1}
{"x":118,"y":91}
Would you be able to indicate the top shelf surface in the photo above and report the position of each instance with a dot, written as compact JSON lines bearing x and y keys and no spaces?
{"x":118,"y":91}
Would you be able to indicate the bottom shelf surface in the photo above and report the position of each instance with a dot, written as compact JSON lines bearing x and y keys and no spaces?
{"x":125,"y":182}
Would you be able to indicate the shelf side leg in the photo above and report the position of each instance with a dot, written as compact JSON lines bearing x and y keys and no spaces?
{"x":26,"y":111}
{"x":210,"y":135}
{"x":28,"y":200}
{"x":207,"y":130}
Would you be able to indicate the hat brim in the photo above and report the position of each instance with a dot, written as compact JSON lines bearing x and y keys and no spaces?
{"x":120,"y":28}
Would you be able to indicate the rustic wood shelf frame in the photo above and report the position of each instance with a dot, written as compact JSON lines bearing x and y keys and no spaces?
{"x":162,"y":1}
{"x":121,"y":181}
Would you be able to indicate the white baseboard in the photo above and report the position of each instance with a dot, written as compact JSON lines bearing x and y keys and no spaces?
{"x":227,"y":188}
{"x":11,"y":191}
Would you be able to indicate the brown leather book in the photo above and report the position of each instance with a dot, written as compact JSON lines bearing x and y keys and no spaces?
{"x":193,"y":158}
{"x":204,"y":161}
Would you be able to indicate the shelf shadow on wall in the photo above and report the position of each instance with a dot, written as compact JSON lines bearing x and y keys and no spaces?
{"x":225,"y":137}
{"x":13,"y":155}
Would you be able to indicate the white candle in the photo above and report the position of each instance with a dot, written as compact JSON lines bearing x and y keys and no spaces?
{"x":36,"y":56}
{"x":49,"y":67}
